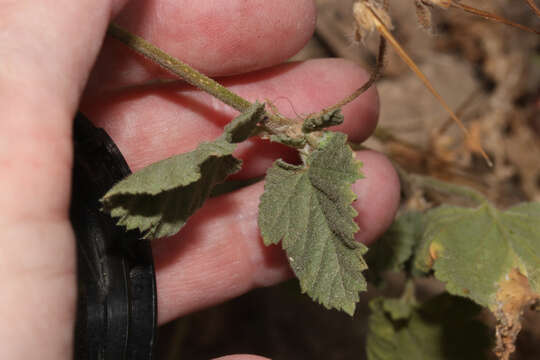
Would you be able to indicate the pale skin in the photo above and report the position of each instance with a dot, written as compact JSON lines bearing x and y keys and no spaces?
{"x":48,"y":49}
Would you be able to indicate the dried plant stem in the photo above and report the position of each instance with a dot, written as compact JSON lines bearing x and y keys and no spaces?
{"x":374,"y":76}
{"x":179,"y":68}
{"x":459,"y":112}
{"x":534,"y":7}
{"x":497,"y":18}
{"x":406,"y":58}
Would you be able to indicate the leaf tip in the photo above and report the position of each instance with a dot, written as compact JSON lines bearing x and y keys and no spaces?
{"x":349,"y":309}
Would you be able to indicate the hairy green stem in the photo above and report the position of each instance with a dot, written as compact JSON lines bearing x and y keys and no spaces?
{"x":275,"y":124}
{"x":409,"y":181}
{"x":428,"y":182}
{"x":179,"y":68}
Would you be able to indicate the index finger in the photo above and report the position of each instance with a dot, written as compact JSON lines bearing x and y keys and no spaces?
{"x":219,"y":37}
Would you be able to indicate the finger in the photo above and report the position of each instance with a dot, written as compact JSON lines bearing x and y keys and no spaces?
{"x":219,"y":253}
{"x":155,"y":122}
{"x":48,"y":49}
{"x":378,"y":196}
{"x":241,"y":357}
{"x":219,"y":37}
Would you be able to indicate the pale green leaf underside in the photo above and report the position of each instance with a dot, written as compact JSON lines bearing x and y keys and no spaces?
{"x":309,"y":210}
{"x":442,"y":329}
{"x":158,"y":199}
{"x":243,"y":126}
{"x":476,"y":248}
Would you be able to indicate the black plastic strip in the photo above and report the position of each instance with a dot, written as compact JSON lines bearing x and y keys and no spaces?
{"x":117,"y":304}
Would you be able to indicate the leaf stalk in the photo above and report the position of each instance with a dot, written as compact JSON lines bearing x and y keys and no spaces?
{"x":274,"y":124}
{"x":428,"y":182}
{"x":179,"y":68}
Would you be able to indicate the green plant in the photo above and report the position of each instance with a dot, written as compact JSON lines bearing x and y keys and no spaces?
{"x":481,"y":253}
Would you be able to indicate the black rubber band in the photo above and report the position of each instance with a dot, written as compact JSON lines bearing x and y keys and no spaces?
{"x":117,"y":300}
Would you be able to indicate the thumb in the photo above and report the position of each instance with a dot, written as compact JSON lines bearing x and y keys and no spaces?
{"x":48,"y":48}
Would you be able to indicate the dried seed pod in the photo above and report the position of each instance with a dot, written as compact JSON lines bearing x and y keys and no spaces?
{"x":364,"y":12}
{"x":423,"y":15}
{"x":445,"y":4}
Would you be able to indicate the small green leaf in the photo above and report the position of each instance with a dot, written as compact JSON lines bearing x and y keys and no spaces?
{"x":243,"y":126}
{"x":160,"y":198}
{"x":309,"y":210}
{"x":474,"y":250}
{"x":444,"y":328}
{"x":334,"y":117}
{"x":395,"y":247}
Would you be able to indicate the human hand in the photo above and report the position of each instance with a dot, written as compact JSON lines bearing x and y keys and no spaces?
{"x":49,"y":48}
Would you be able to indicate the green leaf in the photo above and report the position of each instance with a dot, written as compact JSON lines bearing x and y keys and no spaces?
{"x":489,"y":256}
{"x":398,"y":309}
{"x":244,"y":125}
{"x":334,"y":117}
{"x":309,"y":210}
{"x":160,"y":198}
{"x":395,"y":247}
{"x":402,"y":308}
{"x":474,"y":250}
{"x":444,"y":328}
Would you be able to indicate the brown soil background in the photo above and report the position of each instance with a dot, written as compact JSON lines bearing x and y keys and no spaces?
{"x":490,"y":74}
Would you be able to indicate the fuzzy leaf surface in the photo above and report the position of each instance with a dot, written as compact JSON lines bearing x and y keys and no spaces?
{"x":158,"y":199}
{"x":489,"y":256}
{"x":444,"y":328}
{"x":322,"y":121}
{"x":243,"y":126}
{"x":309,"y":210}
{"x":474,"y":250}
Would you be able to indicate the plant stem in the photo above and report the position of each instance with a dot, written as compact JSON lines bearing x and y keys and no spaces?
{"x":497,"y":18}
{"x":534,"y":7}
{"x":179,"y":68}
{"x":274,"y":124}
{"x":384,"y":31}
{"x":428,"y":182}
{"x":409,"y":181}
{"x":374,"y":76}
